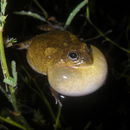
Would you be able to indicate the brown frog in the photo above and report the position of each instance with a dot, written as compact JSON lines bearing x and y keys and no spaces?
{"x":72,"y":68}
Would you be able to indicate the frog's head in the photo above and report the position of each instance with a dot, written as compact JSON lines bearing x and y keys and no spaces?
{"x":74,"y":56}
{"x":79,"y":71}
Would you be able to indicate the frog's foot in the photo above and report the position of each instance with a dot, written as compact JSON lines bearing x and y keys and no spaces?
{"x":56,"y":97}
{"x":22,"y":45}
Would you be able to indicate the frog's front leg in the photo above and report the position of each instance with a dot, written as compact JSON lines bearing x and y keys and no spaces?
{"x":22,"y":45}
{"x":56,"y":97}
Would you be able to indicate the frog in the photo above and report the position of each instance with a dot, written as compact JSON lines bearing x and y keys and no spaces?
{"x":73,"y":68}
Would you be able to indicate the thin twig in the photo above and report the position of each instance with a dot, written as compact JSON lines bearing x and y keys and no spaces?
{"x":41,"y":8}
{"x":57,"y":124}
{"x":108,"y":39}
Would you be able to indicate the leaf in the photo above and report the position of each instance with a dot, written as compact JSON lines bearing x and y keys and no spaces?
{"x":11,"y":122}
{"x":31,"y":14}
{"x":10,"y":81}
{"x":75,"y":11}
{"x":14,"y":72}
{"x":3,"y":5}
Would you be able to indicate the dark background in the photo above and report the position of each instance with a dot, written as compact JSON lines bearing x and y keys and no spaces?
{"x":107,"y":108}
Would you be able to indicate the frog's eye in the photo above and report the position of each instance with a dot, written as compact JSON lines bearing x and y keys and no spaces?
{"x":73,"y":56}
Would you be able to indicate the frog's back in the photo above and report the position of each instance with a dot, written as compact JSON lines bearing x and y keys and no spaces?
{"x":56,"y":38}
{"x":45,"y":48}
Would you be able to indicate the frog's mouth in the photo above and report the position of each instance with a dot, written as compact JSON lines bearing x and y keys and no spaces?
{"x":81,"y":80}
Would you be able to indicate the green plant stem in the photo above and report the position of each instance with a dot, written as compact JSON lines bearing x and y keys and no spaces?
{"x":57,"y":124}
{"x":11,"y":97}
{"x":6,"y":71}
{"x":13,"y":123}
{"x":43,"y":97}
{"x":55,"y":118}
{"x":74,"y":12}
{"x":2,"y":56}
{"x":31,"y":14}
{"x":108,"y":39}
{"x":88,"y":12}
{"x":41,"y":8}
